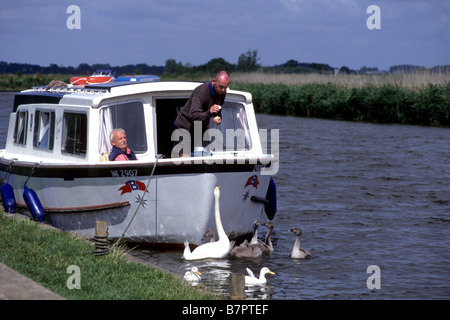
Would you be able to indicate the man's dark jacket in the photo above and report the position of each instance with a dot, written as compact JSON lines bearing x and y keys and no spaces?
{"x":198,"y":105}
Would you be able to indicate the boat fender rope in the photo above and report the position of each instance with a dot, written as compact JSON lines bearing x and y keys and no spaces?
{"x":102,"y":242}
{"x":101,"y":245}
{"x":31,"y":173}
{"x":8,"y":172}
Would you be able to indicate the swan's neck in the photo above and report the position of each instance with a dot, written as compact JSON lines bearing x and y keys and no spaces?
{"x":220,"y":231}
{"x":269,"y":232}
{"x":255,"y":236}
{"x":297,"y":244}
{"x":268,"y":241}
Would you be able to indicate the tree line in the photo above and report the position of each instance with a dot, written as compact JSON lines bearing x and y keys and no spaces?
{"x":82,"y":69}
{"x":247,"y":62}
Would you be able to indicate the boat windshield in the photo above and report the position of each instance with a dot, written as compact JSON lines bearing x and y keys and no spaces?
{"x":233,"y":133}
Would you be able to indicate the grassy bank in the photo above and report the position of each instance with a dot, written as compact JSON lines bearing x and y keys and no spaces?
{"x":44,"y":255}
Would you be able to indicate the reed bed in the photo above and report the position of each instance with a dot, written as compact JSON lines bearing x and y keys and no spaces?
{"x":412,"y":81}
{"x":419,"y":99}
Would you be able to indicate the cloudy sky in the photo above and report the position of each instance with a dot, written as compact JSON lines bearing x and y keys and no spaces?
{"x":121,"y":32}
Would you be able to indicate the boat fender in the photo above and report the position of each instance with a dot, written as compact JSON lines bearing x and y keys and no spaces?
{"x":270,"y":207}
{"x":8,"y":198}
{"x":33,"y":204}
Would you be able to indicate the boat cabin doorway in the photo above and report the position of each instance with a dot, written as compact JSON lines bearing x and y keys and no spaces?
{"x":166,"y":112}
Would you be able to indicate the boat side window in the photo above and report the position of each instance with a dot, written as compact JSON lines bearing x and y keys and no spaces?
{"x":129,"y":116}
{"x":234,"y":128}
{"x":20,"y":131}
{"x":44,"y":130}
{"x":74,"y":133}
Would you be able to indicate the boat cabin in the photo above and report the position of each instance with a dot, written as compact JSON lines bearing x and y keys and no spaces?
{"x":74,"y":123}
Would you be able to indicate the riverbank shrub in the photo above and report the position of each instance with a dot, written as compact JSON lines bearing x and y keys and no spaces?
{"x":429,"y":105}
{"x":18,"y":82}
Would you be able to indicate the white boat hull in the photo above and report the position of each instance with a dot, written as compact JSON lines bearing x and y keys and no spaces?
{"x":176,"y":208}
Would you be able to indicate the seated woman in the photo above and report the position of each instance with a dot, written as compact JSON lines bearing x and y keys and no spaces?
{"x":120,"y":151}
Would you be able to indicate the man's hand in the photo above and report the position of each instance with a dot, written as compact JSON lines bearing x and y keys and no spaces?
{"x":214,"y":109}
{"x":217,"y":120}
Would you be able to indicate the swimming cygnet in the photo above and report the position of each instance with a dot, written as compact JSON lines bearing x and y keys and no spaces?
{"x":246,"y":250}
{"x":251,"y":279}
{"x":256,"y":248}
{"x":217,"y":249}
{"x":209,"y":234}
{"x":268,"y":241}
{"x":298,"y":251}
{"x":232,"y":236}
{"x":192,"y":275}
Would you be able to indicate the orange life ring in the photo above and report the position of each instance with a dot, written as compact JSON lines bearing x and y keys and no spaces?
{"x":90,"y":80}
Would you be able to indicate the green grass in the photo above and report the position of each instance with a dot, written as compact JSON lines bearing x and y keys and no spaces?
{"x":44,"y":255}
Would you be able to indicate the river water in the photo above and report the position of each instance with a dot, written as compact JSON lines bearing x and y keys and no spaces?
{"x":364,"y":195}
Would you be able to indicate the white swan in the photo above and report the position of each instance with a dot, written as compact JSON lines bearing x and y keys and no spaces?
{"x":298,"y":251}
{"x":217,"y":249}
{"x":193,"y":275}
{"x":251,"y":279}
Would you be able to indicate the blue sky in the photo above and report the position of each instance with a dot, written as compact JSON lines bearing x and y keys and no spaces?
{"x":195,"y":31}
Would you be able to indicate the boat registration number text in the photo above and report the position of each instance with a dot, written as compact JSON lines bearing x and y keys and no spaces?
{"x":124,"y":173}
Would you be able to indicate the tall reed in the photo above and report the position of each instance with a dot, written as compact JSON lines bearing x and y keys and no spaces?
{"x":424,"y":104}
{"x":413,"y":81}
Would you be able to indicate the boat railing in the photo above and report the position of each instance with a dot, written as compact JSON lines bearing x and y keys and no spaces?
{"x":71,"y":90}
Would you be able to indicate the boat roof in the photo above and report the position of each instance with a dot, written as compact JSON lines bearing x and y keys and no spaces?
{"x":93,"y":94}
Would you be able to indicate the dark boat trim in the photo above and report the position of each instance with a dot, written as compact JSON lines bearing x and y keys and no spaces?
{"x":127,"y":169}
{"x":82,"y":209}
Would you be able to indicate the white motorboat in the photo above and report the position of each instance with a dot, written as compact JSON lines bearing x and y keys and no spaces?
{"x":53,"y":166}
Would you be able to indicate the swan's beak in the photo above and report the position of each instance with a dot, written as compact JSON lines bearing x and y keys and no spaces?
{"x":198,"y":272}
{"x":271,"y":272}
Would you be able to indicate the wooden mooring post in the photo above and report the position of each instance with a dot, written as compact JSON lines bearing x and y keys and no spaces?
{"x":101,"y":228}
{"x":100,"y":239}
{"x":237,"y":286}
